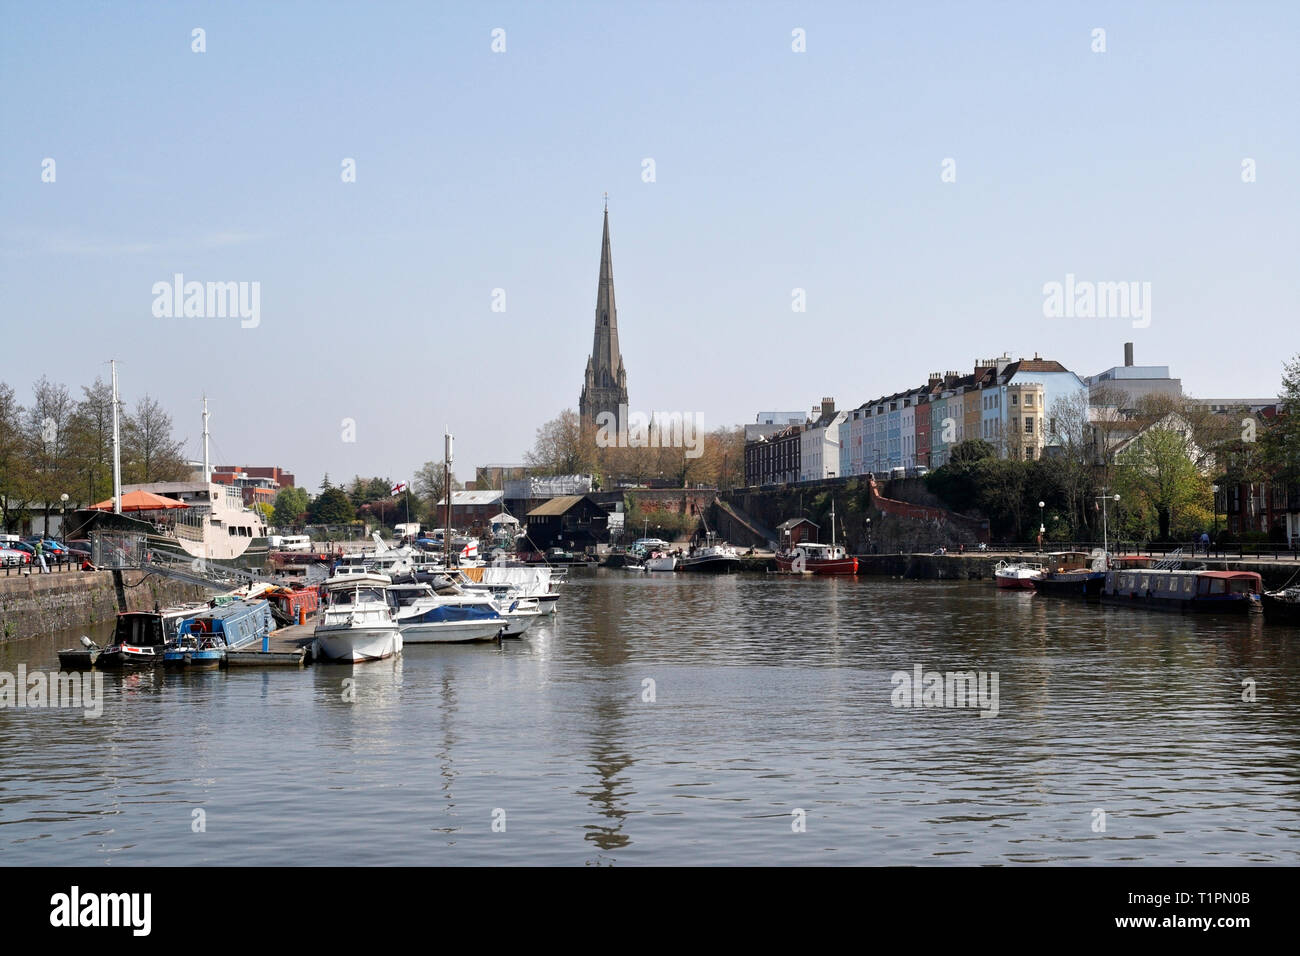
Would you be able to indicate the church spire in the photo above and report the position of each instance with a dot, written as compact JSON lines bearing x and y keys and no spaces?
{"x":605,"y":387}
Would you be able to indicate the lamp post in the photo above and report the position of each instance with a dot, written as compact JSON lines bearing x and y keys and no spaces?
{"x":1105,"y":540}
{"x":869,"y":535}
{"x":1042,"y":527}
{"x":1215,"y":491}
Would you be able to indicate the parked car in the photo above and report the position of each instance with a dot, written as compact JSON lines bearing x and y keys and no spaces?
{"x":49,"y":545}
{"x":13,"y":557}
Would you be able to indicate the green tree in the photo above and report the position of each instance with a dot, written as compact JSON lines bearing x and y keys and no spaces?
{"x":15,"y":485}
{"x":290,"y":507}
{"x":1157,"y":477}
{"x":331,"y":507}
{"x":972,"y":450}
{"x":1281,"y":439}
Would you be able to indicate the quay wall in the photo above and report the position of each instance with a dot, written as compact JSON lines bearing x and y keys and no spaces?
{"x":36,"y":604}
{"x":949,"y":567}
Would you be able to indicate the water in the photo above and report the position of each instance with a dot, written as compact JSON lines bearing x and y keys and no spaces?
{"x":771,"y":695}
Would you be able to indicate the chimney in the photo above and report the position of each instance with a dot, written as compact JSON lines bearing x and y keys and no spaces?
{"x":1128,"y":354}
{"x":935,"y":379}
{"x":828,"y":406}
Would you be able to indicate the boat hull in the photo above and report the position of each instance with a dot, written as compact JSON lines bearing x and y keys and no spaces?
{"x":1276,"y":611}
{"x":452,"y":632}
{"x":712,"y":565}
{"x":848,"y":566}
{"x":357,"y":644}
{"x":1242,"y":604}
{"x":1071,"y":585}
{"x":1012,"y":583}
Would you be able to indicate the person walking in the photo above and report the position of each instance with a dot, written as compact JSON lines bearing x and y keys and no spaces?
{"x":40,"y":556}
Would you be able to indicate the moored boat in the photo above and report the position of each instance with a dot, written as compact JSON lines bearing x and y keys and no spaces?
{"x":817,"y":559}
{"x":714,"y":556}
{"x":1282,"y":606}
{"x":661,"y":561}
{"x":428,"y":618}
{"x":139,"y":639}
{"x":1214,"y":592}
{"x":1072,"y":574}
{"x":202,"y":640}
{"x":1017,"y":575}
{"x":357,"y":623}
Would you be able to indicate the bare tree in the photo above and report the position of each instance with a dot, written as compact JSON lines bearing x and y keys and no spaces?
{"x":150,"y":450}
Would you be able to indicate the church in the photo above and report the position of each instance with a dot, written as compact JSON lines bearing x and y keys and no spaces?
{"x":604,"y":389}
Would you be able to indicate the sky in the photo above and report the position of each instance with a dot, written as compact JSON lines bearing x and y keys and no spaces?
{"x":919,"y":170}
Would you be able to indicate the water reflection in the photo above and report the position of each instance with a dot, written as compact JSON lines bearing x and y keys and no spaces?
{"x":771,"y":693}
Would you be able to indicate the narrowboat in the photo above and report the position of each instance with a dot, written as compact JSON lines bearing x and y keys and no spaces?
{"x":1214,"y":592}
{"x":203,"y":639}
{"x":1072,"y":574}
{"x":139,"y":638}
{"x":1283,"y":606}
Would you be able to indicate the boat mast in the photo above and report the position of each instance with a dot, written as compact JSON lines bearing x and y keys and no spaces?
{"x":207,"y":471}
{"x":446,"y":490}
{"x":117,"y":448}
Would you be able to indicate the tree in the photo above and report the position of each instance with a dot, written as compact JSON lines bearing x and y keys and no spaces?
{"x":290,"y":507}
{"x":92,"y":428}
{"x":331,"y":507}
{"x":564,"y":446}
{"x":971,"y":450}
{"x":1157,"y":477}
{"x":149,"y":451}
{"x":1281,"y":439}
{"x":47,"y":436}
{"x":15,"y":486}
{"x":428,"y":481}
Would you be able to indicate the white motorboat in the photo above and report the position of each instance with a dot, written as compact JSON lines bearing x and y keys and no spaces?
{"x":357,"y":623}
{"x":661,"y":561}
{"x":540,"y":584}
{"x":426,"y":617}
{"x":1017,"y":575}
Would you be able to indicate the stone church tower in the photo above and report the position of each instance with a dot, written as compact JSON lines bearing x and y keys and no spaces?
{"x":604,"y":388}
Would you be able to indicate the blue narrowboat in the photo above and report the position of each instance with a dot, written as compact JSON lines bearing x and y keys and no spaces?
{"x":202,"y":640}
{"x":1215,"y":592}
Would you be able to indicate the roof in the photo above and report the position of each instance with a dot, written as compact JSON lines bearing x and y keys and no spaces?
{"x":467,"y":498}
{"x":1230,"y":575}
{"x":558,"y":506}
{"x":503,"y":518}
{"x":792,"y":522}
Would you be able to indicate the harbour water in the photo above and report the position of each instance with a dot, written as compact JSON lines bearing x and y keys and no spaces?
{"x":770,"y":695}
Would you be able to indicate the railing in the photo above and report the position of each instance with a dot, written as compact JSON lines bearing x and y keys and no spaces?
{"x":1186,"y":550}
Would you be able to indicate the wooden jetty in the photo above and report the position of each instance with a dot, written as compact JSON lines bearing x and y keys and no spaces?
{"x":293,"y":646}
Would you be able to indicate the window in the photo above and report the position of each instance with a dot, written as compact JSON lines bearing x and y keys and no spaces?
{"x":1015,"y":399}
{"x":1029,"y":452}
{"x":1029,"y":424}
{"x":1029,"y":401}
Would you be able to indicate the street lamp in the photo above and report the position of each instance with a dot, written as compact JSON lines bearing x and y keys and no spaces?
{"x":869,"y":535}
{"x":1042,"y":527}
{"x":1105,"y":542}
{"x":1215,"y":490}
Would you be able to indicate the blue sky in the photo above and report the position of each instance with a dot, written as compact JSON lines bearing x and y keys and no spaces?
{"x":775,"y":170}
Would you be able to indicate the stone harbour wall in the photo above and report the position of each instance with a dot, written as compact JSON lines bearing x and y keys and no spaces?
{"x":41,"y":603}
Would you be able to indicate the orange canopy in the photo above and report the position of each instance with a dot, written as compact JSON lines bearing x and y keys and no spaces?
{"x":141,"y":501}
